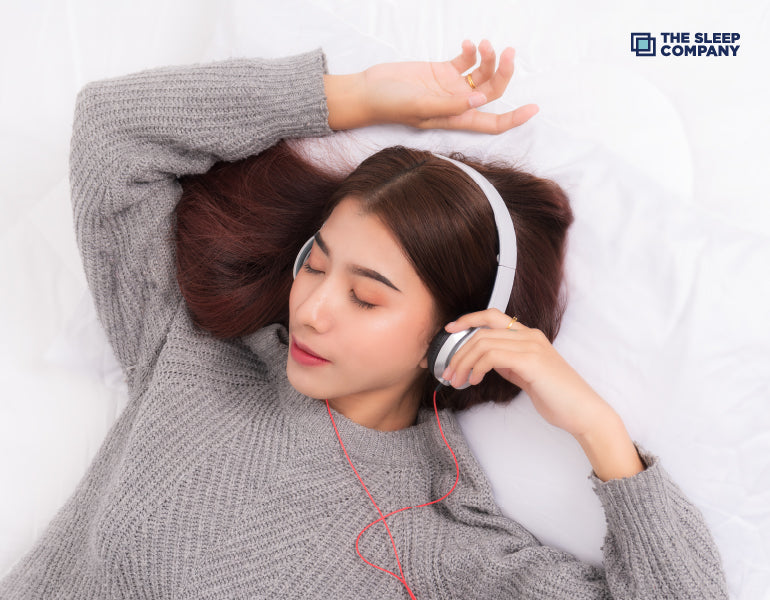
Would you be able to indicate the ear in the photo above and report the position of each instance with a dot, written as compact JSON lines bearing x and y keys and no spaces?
{"x":424,"y":362}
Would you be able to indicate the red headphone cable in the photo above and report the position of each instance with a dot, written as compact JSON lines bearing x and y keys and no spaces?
{"x":383,"y":518}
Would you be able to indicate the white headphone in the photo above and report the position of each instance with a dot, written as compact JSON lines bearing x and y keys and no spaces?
{"x":443,"y":347}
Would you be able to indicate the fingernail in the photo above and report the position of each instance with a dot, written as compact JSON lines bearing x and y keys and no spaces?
{"x":448,"y":325}
{"x":447,"y":374}
{"x":477,"y":100}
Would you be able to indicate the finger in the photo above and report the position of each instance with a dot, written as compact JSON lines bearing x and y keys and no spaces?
{"x":489,"y":335}
{"x":439,"y":109}
{"x":490,"y":317}
{"x":481,"y":122}
{"x":473,"y":366}
{"x":487,"y":67}
{"x":464,"y":361}
{"x":487,"y":338}
{"x":495,"y":357}
{"x":494,"y":85}
{"x":470,"y":357}
{"x":485,"y":71}
{"x":466,"y":59}
{"x":494,"y":123}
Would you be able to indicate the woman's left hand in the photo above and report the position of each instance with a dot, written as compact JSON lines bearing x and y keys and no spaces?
{"x":526,"y":358}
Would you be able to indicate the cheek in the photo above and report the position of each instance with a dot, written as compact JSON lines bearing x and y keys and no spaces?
{"x":398,"y":337}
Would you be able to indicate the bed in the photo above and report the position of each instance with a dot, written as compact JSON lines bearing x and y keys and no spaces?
{"x":668,"y":264}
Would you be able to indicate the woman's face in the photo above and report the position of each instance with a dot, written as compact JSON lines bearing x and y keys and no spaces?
{"x":343,"y":307}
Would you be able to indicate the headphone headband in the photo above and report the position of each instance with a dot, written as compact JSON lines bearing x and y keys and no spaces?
{"x":506,"y":238}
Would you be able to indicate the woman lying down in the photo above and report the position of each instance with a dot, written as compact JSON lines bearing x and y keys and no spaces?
{"x":297,"y":345}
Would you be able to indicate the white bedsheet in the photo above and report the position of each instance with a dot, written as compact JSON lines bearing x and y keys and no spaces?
{"x":668,"y":265}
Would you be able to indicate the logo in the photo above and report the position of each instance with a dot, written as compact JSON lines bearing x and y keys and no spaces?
{"x":679,"y":44}
{"x":643,"y":44}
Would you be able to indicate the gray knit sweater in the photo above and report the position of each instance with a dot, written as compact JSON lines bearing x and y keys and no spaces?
{"x":219,"y":480}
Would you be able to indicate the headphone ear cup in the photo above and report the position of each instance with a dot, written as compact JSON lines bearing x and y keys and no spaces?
{"x":443,"y":347}
{"x":302,"y":256}
{"x":433,"y":351}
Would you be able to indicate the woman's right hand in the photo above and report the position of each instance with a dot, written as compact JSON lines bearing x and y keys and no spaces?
{"x":525,"y":357}
{"x":427,"y":94}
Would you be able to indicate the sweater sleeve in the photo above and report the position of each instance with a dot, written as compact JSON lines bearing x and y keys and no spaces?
{"x":657,"y":546}
{"x":133,"y":136}
{"x":657,"y":543}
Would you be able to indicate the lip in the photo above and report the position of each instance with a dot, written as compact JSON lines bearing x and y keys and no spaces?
{"x":304,"y":355}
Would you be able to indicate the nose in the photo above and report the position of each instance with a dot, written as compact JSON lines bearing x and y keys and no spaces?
{"x":316,"y":306}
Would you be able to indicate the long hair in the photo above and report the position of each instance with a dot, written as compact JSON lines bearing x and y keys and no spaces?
{"x":240,"y":225}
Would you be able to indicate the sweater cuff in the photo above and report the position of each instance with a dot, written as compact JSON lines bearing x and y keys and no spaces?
{"x":641,"y":496}
{"x":295,"y":109}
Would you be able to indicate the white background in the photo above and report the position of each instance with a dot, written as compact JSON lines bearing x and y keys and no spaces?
{"x":664,"y":159}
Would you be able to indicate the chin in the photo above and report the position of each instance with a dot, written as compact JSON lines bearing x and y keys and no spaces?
{"x":305,"y":383}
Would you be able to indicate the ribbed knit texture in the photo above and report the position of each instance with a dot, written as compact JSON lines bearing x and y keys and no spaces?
{"x":219,"y":480}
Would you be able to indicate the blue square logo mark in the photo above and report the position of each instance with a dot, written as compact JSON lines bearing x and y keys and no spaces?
{"x":643,"y":44}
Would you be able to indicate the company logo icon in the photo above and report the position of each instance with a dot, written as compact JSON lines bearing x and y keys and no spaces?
{"x":643,"y":44}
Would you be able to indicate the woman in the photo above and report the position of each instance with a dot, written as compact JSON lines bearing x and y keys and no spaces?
{"x":227,"y":475}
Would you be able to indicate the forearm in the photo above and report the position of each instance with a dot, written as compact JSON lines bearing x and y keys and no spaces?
{"x":610,"y":450}
{"x":189,"y":116}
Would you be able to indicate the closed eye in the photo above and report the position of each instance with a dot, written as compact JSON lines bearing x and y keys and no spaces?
{"x":360,"y":302}
{"x":353,"y":296}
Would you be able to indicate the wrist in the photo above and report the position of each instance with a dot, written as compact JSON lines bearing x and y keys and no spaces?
{"x":610,"y":450}
{"x":346,"y":101}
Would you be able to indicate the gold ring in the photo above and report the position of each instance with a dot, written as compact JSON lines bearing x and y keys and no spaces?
{"x":469,"y":79}
{"x":512,"y":322}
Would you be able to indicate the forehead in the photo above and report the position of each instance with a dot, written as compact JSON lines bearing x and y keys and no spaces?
{"x":348,"y":226}
{"x":355,"y":237}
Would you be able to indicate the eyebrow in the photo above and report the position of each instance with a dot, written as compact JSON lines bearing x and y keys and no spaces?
{"x":356,"y":269}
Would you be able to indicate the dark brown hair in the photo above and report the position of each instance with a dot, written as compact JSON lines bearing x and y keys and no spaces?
{"x":240,"y":225}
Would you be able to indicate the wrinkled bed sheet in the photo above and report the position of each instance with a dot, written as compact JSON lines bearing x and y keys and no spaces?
{"x":668,"y":260}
